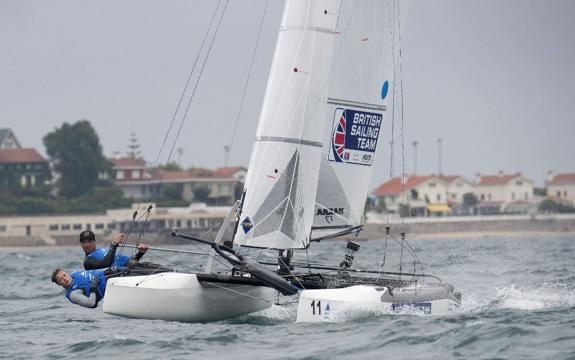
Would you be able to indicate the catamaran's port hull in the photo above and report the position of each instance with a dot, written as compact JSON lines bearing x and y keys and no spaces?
{"x":183,"y":297}
{"x":339,"y":305}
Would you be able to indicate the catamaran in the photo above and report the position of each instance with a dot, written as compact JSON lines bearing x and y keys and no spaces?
{"x":308,"y":178}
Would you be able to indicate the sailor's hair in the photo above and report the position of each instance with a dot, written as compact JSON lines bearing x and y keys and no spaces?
{"x":54,"y":273}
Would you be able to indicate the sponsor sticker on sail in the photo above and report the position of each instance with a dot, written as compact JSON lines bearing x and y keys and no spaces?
{"x":354,"y":136}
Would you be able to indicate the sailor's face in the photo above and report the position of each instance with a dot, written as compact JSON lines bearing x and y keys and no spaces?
{"x":88,"y":245}
{"x":63,"y":279}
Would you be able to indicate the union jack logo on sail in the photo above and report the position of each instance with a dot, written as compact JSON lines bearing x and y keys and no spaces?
{"x":338,"y":142}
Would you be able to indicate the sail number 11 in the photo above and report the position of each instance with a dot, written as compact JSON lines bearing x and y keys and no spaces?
{"x":314,"y":305}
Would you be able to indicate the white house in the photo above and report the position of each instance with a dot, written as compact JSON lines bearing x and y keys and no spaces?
{"x":424,"y":194}
{"x":498,"y":192}
{"x":8,"y":140}
{"x":562,"y":186}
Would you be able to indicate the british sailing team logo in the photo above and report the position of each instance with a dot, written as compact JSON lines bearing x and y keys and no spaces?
{"x":354,"y":136}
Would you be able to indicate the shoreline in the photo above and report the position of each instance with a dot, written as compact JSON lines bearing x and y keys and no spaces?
{"x":409,"y":236}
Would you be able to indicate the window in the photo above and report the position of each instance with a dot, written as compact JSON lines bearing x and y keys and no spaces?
{"x":459,"y":184}
{"x":431,"y":184}
{"x":225,"y":188}
{"x":99,"y":226}
{"x":111,"y":226}
{"x":2,"y":228}
{"x":519,"y":183}
{"x":53,"y":227}
{"x":488,"y":196}
{"x":482,"y":196}
{"x":120,"y":174}
{"x":438,"y":197}
{"x":77,"y":226}
{"x":512,"y":196}
{"x":526,"y":195}
{"x":136,"y":174}
{"x":558,"y":193}
{"x":565,"y":193}
{"x":65,"y":227}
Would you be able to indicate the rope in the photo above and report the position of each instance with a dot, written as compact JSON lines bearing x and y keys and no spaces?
{"x":247,"y":82}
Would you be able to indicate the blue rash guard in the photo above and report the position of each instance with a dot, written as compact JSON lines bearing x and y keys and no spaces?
{"x":100,"y":254}
{"x":88,"y":281}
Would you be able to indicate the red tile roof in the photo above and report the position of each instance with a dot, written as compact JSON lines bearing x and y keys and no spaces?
{"x":228,"y":171}
{"x":560,"y":179}
{"x":449,"y":178}
{"x":500,"y":179}
{"x":171,"y":175}
{"x":127,"y":162}
{"x":394,"y":186}
{"x":21,"y":156}
{"x":202,"y":172}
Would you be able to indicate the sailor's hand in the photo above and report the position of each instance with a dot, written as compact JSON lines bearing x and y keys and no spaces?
{"x":119,"y":238}
{"x":143,"y":248}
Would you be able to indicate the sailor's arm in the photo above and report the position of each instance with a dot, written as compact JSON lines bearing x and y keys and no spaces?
{"x":91,"y":263}
{"x":142,"y":249}
{"x":77,"y":297}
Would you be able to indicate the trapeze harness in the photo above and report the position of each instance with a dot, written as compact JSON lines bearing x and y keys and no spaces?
{"x":100,"y":254}
{"x":88,"y":281}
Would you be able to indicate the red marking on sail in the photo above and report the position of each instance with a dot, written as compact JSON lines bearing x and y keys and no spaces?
{"x":339,"y":137}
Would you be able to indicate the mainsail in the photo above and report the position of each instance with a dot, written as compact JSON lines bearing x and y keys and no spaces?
{"x":362,"y":63}
{"x":282,"y":180}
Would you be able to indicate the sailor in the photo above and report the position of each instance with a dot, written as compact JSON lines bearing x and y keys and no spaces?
{"x":100,"y":258}
{"x":86,"y":287}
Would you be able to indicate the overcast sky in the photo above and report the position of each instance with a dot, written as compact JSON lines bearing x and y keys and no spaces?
{"x":495,"y":80}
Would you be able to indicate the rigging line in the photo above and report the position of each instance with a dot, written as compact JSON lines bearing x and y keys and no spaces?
{"x":199,"y":79}
{"x":247,"y":81}
{"x":155,"y":163}
{"x":187,"y":83}
{"x":392,"y":42}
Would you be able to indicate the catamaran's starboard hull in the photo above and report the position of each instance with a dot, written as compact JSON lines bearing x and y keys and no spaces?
{"x":339,"y":305}
{"x":182,"y":297}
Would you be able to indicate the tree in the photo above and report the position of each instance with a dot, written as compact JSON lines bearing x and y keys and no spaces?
{"x":201,"y":193}
{"x":548,"y":206}
{"x":470,"y":200}
{"x":171,"y":166}
{"x":77,"y":155}
{"x":172,"y":191}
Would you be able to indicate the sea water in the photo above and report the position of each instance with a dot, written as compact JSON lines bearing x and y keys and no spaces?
{"x":518,"y":302}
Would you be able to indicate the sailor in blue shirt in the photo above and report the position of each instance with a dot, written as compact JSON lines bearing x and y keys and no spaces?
{"x":100,"y":258}
{"x":85,"y":288}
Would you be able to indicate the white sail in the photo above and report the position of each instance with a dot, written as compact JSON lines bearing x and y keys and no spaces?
{"x":361,"y":74}
{"x":281,"y":184}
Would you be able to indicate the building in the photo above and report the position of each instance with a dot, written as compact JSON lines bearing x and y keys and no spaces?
{"x":562,"y":186}
{"x":496,"y":193}
{"x":139,"y":182}
{"x":24,"y":167}
{"x":46,"y":229}
{"x":425,"y":195}
{"x":8,"y":140}
{"x":237,"y":172}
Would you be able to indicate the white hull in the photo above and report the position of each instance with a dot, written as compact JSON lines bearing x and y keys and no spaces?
{"x":339,"y":305}
{"x":181,"y":297}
